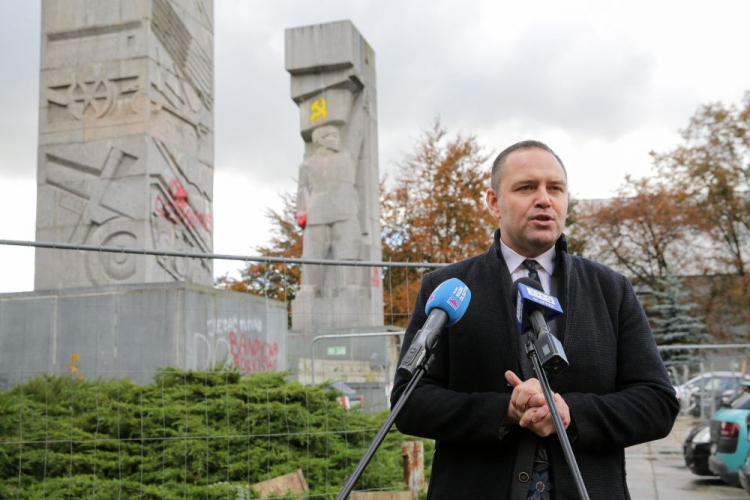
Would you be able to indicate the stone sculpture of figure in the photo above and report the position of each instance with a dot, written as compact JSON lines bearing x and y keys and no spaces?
{"x":328,"y":211}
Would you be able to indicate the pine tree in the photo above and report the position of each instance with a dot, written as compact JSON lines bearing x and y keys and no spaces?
{"x":674,"y":321}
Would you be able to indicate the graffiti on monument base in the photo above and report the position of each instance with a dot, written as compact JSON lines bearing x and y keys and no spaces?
{"x":177,"y":209}
{"x":73,"y":365}
{"x":234,"y":340}
{"x":253,"y":355}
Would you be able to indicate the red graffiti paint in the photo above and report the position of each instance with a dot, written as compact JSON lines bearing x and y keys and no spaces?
{"x":375,"y":280}
{"x":177,"y":192}
{"x":177,"y":210}
{"x":253,"y":355}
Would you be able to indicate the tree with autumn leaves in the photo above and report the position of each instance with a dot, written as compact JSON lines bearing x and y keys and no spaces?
{"x":712,"y":166}
{"x":641,"y":231}
{"x":690,"y":217}
{"x":279,"y":281}
{"x":433,"y":212}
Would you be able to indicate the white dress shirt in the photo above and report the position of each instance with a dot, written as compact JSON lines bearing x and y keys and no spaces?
{"x":514,"y":261}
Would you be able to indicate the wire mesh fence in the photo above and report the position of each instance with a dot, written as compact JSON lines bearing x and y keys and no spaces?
{"x":177,"y":390}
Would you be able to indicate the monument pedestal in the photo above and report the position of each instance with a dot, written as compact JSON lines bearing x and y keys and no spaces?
{"x":334,"y":313}
{"x":130,"y":331}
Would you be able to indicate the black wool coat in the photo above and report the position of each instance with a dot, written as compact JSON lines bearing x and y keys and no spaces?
{"x":616,"y":386}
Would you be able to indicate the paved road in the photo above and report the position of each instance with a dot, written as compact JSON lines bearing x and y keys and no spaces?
{"x":656,"y":471}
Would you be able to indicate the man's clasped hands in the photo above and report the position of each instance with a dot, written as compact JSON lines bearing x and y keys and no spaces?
{"x":529,"y":409}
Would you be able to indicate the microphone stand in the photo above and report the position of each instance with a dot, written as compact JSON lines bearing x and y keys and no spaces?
{"x":556,"y":419}
{"x":422,"y":368}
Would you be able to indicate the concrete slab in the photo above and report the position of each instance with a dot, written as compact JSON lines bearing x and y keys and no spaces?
{"x":657,"y":471}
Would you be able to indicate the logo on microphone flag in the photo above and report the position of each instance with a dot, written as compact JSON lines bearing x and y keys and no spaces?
{"x":529,"y":298}
{"x":453,"y":297}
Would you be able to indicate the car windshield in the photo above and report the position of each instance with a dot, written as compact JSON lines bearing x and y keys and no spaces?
{"x":742,"y":401}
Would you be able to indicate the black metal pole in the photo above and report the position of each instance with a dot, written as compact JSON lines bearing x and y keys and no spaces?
{"x":418,"y":373}
{"x":557,"y":420}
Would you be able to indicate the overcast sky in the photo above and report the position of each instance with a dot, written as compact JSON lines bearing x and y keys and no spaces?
{"x":601,"y":82}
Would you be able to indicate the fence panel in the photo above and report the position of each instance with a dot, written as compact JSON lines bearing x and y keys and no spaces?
{"x":176,"y":390}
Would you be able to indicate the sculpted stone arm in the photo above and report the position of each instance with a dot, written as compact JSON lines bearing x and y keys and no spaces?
{"x":303,"y":195}
{"x":436,"y":412}
{"x":643,"y":406}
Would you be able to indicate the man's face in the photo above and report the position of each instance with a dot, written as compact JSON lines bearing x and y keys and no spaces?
{"x":332,"y":141}
{"x":532,"y":203}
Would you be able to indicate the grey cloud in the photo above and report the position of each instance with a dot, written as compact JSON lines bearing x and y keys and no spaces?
{"x":555,"y":75}
{"x":257,"y":121}
{"x":435,"y":59}
{"x":19,"y":58}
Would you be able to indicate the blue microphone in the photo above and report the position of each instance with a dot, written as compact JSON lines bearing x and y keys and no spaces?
{"x":533,"y":309}
{"x":528,"y":297}
{"x":446,"y":305}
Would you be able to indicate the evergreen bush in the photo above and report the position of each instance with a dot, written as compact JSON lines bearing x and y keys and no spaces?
{"x":189,"y":434}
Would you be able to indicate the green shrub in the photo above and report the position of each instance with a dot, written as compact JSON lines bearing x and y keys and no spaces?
{"x":188,"y":434}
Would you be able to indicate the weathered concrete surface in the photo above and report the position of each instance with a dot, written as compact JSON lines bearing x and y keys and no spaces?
{"x":131,"y":330}
{"x":125,"y":139}
{"x":334,"y":84}
{"x":657,"y":471}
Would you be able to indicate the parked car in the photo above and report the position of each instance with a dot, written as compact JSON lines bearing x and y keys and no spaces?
{"x":744,"y":471}
{"x":708,"y":391}
{"x":729,"y":437}
{"x":697,"y":448}
{"x":349,"y":398}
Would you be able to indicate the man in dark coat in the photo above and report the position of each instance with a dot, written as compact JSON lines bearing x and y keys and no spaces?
{"x":481,"y":402}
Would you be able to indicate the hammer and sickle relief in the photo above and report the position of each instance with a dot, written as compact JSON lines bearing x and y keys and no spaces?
{"x":318,"y":109}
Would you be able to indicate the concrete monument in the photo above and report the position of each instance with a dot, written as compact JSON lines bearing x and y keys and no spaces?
{"x":328,"y":210}
{"x":333,"y":83}
{"x":133,"y":330}
{"x":125,"y":140}
{"x":126,"y":159}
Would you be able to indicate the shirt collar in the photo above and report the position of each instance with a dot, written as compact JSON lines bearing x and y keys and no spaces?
{"x":513,"y":259}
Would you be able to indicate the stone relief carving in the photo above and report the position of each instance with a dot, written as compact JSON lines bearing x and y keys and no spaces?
{"x":206,"y":12}
{"x":180,"y":220}
{"x":178,"y":97}
{"x":328,"y":208}
{"x":88,"y":215}
{"x":89,"y":184}
{"x":126,"y":139}
{"x":104,"y":268}
{"x":188,"y":56}
{"x":91,"y":98}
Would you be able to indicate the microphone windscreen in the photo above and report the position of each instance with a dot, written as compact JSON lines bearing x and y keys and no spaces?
{"x":531,"y":283}
{"x":451,"y":296}
{"x":527,"y":295}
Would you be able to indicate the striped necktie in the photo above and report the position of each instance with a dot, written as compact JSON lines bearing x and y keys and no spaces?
{"x":541,"y":484}
{"x":531,"y":266}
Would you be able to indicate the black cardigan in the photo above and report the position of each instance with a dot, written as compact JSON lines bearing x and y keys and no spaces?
{"x":616,"y":386}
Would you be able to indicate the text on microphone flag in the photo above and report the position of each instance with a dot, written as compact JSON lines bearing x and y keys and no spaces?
{"x":529,"y":297}
{"x":541,"y":296}
{"x":519,"y":307}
